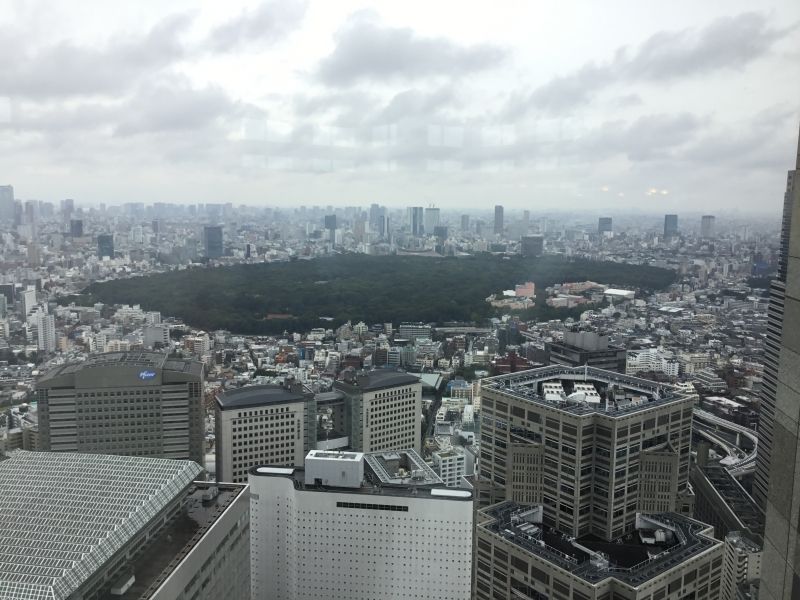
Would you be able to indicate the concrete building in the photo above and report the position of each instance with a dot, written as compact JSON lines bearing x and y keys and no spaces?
{"x":465,"y":223}
{"x":532,"y":245}
{"x":7,"y":203}
{"x":498,"y":220}
{"x":450,"y":465}
{"x":742,"y":565}
{"x":587,"y":348}
{"x":670,"y":226}
{"x":431,"y":220}
{"x":707,"y":226}
{"x":119,"y":527}
{"x":412,"y":331}
{"x":665,"y":556}
{"x":352,"y":526}
{"x":76,"y":228}
{"x":155,"y":336}
{"x":129,"y":403}
{"x":46,"y":333}
{"x":381,"y":410}
{"x":593,"y":447}
{"x":105,"y":245}
{"x":604,"y":225}
{"x":212,"y":241}
{"x":262,"y":424}
{"x":781,"y":568}
{"x":416,"y":220}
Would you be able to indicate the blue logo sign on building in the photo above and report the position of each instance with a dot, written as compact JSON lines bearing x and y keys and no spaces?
{"x":147,"y":375}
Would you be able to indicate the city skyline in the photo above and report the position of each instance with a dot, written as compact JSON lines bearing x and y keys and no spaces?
{"x":296,"y":103}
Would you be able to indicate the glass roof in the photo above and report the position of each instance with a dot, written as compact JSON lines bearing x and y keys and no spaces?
{"x":63,"y":515}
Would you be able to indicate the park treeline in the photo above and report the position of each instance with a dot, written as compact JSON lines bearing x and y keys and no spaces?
{"x":270,"y":298}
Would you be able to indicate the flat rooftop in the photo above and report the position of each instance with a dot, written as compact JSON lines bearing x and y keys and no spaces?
{"x":378,"y":379}
{"x":380,"y":478}
{"x":143,"y":360}
{"x":615,"y":390}
{"x":628,"y":559}
{"x":153,"y":566}
{"x":257,"y":395}
{"x":64,"y":514}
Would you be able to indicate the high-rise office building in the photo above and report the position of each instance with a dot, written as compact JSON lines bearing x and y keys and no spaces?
{"x":532,"y":245}
{"x":780,"y":574}
{"x":131,"y":403}
{"x":97,"y":526}
{"x":105,"y":245}
{"x":212,"y":241}
{"x":377,"y":219}
{"x":7,"y":204}
{"x":593,"y":446}
{"x":76,"y":228}
{"x":28,"y":301}
{"x":604,"y":225}
{"x":465,"y":223}
{"x":381,"y":410}
{"x":351,"y":526}
{"x":772,"y":348}
{"x":707,"y":226}
{"x":431,"y":220}
{"x":155,"y":336}
{"x":498,"y":220}
{"x":584,"y":470}
{"x":670,"y":226}
{"x":263,"y":424}
{"x":416,"y":222}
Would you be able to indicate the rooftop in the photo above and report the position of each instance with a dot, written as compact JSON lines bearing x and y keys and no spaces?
{"x":143,"y":360}
{"x":381,"y":477}
{"x":257,"y":395}
{"x":87,"y":508}
{"x":661,"y":542}
{"x":378,"y":379}
{"x":620,"y":395}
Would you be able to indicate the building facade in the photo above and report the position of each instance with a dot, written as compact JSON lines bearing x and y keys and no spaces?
{"x":129,"y":403}
{"x":352,"y":527}
{"x":262,"y":424}
{"x":382,"y":410}
{"x":587,"y":348}
{"x":122,"y":527}
{"x":593,"y":447}
{"x":670,"y":226}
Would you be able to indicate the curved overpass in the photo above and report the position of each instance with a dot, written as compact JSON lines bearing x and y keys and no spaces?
{"x":741,"y":462}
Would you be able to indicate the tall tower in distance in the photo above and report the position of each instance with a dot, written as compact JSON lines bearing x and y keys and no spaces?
{"x":604,"y":225}
{"x":707,"y":226}
{"x":780,"y":415}
{"x":6,"y":203}
{"x":212,"y":241}
{"x":670,"y":226}
{"x":498,"y":219}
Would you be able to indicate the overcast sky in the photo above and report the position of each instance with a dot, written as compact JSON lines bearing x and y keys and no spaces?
{"x":669,"y":106}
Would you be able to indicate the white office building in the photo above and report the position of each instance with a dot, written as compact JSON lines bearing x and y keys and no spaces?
{"x":450,"y":465}
{"x":352,"y":526}
{"x":46,"y":332}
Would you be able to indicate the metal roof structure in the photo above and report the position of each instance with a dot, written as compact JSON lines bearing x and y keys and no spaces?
{"x":65,"y":515}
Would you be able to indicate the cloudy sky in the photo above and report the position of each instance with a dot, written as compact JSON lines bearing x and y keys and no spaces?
{"x":662,"y":106}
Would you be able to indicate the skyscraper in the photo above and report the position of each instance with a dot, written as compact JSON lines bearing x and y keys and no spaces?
{"x":604,"y":225}
{"x":465,"y":223}
{"x":431,"y":220}
{"x":7,"y":206}
{"x":128,"y":403}
{"x":415,"y":218}
{"x":498,"y":220}
{"x":707,"y":226}
{"x":780,"y":575}
{"x":212,"y":241}
{"x":105,"y":245}
{"x":670,"y":226}
{"x":772,"y":348}
{"x":76,"y":228}
{"x":46,"y":333}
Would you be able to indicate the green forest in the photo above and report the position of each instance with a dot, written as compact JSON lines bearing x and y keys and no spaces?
{"x":270,"y":298}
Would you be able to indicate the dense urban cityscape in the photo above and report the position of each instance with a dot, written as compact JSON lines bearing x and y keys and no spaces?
{"x":554,"y":392}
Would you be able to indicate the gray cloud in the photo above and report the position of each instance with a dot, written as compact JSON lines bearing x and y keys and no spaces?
{"x":727,"y":43}
{"x":366,"y":50}
{"x":173,"y":105}
{"x":67,"y":69}
{"x":269,"y":23}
